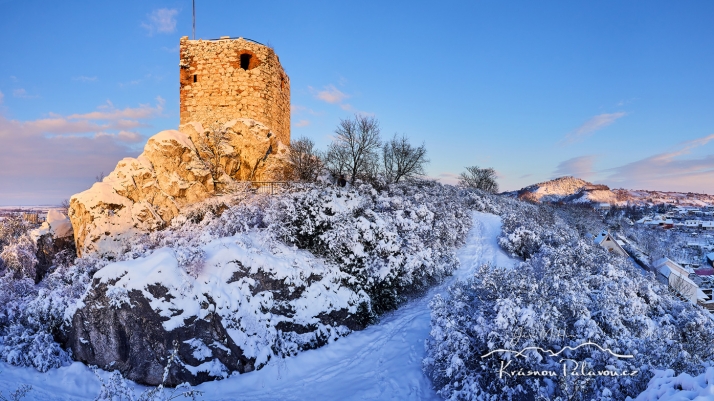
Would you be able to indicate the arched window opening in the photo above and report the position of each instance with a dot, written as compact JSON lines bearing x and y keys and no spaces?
{"x":195,"y":78}
{"x":245,"y":61}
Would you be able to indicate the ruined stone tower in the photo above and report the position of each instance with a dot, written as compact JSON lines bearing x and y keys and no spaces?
{"x":228,"y":78}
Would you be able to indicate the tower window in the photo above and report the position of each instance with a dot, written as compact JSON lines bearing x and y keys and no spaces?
{"x":245,"y":61}
{"x":195,"y":78}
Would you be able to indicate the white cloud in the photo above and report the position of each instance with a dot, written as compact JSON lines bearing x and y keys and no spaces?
{"x":671,"y":170}
{"x":596,"y":123}
{"x":82,"y":78}
{"x":162,"y":20}
{"x":330,"y":94}
{"x":302,"y":123}
{"x":22,"y":93}
{"x":46,"y":160}
{"x":579,"y":167}
{"x":109,"y":112}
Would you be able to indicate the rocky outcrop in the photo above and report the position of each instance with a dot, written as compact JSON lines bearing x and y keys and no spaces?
{"x":133,"y":340}
{"x":177,"y":168}
{"x":252,"y":300}
{"x":55,"y":243}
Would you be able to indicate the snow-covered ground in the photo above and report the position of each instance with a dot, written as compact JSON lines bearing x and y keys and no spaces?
{"x":381,"y":362}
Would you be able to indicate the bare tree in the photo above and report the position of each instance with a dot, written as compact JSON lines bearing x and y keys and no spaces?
{"x":305,"y":160}
{"x":479,"y":178}
{"x":355,"y":148}
{"x":64,"y":207}
{"x":336,"y":159}
{"x":99,"y":177}
{"x":402,"y":160}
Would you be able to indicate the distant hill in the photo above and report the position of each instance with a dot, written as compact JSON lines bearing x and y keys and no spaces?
{"x":575,"y":190}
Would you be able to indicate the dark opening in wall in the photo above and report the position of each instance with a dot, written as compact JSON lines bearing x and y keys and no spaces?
{"x":195,"y":78}
{"x":245,"y":61}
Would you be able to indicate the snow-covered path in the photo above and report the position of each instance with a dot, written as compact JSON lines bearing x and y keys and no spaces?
{"x":382,"y":362}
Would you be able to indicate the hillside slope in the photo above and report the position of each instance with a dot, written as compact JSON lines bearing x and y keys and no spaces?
{"x":578,"y":191}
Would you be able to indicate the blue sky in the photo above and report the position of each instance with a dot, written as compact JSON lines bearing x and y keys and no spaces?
{"x":616,"y":92}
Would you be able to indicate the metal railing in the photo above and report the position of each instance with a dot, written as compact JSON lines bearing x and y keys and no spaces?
{"x":270,"y":187}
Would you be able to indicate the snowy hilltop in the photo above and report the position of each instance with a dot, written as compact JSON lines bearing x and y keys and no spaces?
{"x":577,"y":191}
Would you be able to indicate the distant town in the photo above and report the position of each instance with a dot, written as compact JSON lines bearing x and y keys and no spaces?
{"x":31,"y":214}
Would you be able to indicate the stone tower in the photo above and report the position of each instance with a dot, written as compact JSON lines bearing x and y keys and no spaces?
{"x":225,"y":79}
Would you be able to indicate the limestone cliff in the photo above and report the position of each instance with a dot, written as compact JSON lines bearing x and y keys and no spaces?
{"x":176,"y":169}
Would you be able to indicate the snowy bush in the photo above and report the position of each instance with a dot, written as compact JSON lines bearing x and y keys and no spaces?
{"x":568,"y":292}
{"x":665,"y":386}
{"x":391,"y":243}
{"x":19,"y":256}
{"x":32,"y":317}
{"x":17,"y":249}
{"x":522,"y":243}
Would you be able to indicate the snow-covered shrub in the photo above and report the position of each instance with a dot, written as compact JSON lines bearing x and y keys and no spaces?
{"x":19,"y":256}
{"x":12,"y":228}
{"x":480,"y":201}
{"x":665,"y":386}
{"x":391,"y":243}
{"x":32,"y":317}
{"x":567,"y":293}
{"x":522,"y":243}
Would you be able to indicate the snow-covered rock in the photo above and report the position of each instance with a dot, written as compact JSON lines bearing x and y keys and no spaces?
{"x":53,"y":237}
{"x":665,"y":386}
{"x":56,"y":223}
{"x":253,"y":299}
{"x":177,"y":168}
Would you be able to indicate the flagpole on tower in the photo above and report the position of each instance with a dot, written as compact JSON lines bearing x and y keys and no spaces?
{"x":194,"y":19}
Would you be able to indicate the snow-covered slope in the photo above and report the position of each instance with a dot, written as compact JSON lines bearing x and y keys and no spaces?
{"x":383,"y":361}
{"x":576,"y":190}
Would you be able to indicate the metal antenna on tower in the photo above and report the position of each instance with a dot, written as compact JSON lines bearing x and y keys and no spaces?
{"x":194,"y":19}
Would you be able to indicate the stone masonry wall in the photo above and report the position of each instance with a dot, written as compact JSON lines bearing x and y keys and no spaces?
{"x":225,"y":79}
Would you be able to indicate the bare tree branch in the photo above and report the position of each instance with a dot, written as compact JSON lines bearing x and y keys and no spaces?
{"x":355,"y":148}
{"x":305,"y":160}
{"x":401,"y":160}
{"x":479,"y":178}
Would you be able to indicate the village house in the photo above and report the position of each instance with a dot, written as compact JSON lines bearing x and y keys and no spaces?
{"x":608,"y":242}
{"x":692,"y":223}
{"x":657,"y":221}
{"x":678,"y":279}
{"x":710,"y":259}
